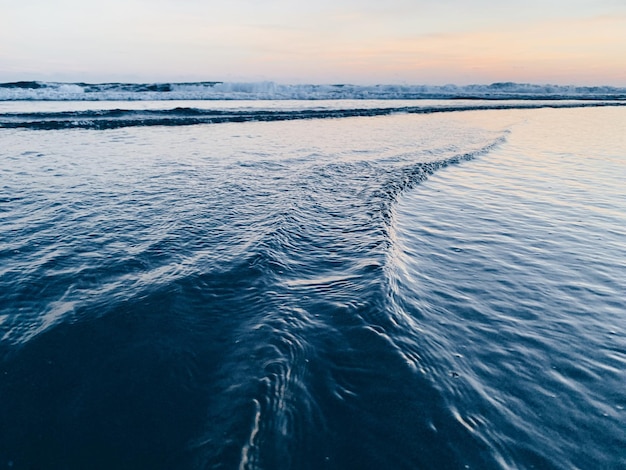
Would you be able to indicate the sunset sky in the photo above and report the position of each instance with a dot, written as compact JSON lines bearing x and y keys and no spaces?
{"x":579,"y":42}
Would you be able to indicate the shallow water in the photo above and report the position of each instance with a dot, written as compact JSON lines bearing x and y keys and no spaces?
{"x":514,"y":265}
{"x":400,"y":291}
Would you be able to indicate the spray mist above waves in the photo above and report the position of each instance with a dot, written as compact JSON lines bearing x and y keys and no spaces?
{"x":57,"y":91}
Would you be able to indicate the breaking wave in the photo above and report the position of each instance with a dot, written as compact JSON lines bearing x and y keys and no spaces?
{"x":56,"y":91}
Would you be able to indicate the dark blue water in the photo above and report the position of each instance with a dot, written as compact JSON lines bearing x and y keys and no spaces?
{"x":363,"y":292}
{"x":143,"y":116}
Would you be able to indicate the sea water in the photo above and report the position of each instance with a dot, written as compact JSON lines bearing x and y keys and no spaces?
{"x":401,"y":290}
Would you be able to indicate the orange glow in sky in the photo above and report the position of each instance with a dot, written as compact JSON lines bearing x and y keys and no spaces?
{"x":566,"y":42}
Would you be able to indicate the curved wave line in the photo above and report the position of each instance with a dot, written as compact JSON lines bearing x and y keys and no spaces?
{"x":118,"y":118}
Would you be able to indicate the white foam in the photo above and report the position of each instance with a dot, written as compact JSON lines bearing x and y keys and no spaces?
{"x":54,"y":91}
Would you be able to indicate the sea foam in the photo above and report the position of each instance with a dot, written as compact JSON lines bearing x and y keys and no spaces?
{"x":267,"y":90}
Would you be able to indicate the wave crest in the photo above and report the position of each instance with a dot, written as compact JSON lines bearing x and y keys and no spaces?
{"x":267,"y":90}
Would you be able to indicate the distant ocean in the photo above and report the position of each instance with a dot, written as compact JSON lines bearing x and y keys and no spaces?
{"x":261,"y":276}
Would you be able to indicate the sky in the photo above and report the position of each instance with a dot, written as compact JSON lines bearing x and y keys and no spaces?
{"x":580,"y":42}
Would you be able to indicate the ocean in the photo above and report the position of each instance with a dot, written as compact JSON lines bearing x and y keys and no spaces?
{"x":311,"y":283}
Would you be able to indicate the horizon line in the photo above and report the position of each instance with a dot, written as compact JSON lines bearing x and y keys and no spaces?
{"x":24,"y":83}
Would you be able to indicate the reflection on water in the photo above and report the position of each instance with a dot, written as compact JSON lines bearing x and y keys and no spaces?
{"x":405,"y":291}
{"x":515,"y":265}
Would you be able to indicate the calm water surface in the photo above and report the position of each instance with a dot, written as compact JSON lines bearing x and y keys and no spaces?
{"x":513,"y":266}
{"x":404,"y":291}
